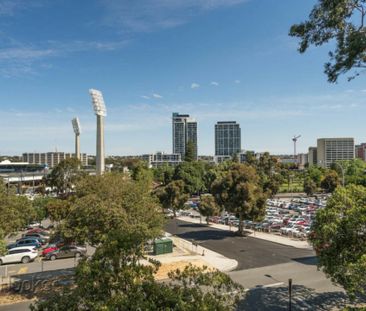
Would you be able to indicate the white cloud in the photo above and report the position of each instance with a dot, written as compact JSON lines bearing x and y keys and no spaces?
{"x":237,"y":81}
{"x":155,"y":95}
{"x":17,"y":58}
{"x":214,"y":83}
{"x":195,"y":86}
{"x":151,"y":15}
{"x":10,"y":7}
{"x":145,"y":97}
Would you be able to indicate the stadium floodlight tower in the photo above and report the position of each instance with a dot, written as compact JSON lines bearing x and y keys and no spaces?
{"x":77,"y":130}
{"x":101,"y":112}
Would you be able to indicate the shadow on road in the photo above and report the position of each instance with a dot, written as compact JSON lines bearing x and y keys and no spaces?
{"x":311,"y":261}
{"x":38,"y":284}
{"x":193,"y":225}
{"x":207,"y":235}
{"x":276,"y":299}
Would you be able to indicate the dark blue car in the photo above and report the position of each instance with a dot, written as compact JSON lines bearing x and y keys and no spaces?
{"x":25,"y":242}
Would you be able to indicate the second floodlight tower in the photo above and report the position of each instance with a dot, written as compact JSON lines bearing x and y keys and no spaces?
{"x":101,"y":112}
{"x":77,"y":130}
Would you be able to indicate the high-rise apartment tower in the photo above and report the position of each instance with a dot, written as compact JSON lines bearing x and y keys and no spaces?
{"x":227,"y":138}
{"x":184,"y":131}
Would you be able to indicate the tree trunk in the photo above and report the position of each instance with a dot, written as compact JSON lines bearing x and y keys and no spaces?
{"x":240,"y":227}
{"x":208,"y":220}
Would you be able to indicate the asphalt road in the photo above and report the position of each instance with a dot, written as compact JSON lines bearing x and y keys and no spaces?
{"x":249,"y":252}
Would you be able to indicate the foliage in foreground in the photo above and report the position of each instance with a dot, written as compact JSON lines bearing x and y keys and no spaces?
{"x":342,"y":21}
{"x":115,"y":278}
{"x":118,"y":216}
{"x":340,"y":238}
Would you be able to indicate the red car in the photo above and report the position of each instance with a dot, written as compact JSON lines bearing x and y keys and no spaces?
{"x":50,"y":248}
{"x":38,"y":230}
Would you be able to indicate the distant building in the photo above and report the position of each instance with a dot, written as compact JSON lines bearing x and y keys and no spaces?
{"x":302,"y":160}
{"x":160,"y":159}
{"x":223,"y":158}
{"x":312,"y":156}
{"x":227,"y":139}
{"x":360,"y":151}
{"x":51,"y":159}
{"x":22,"y":173}
{"x":184,"y":130}
{"x":330,"y":150}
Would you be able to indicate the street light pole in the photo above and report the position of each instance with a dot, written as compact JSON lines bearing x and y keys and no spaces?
{"x":342,"y":170}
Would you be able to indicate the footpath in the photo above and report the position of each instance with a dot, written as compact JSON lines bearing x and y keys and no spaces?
{"x":284,"y":240}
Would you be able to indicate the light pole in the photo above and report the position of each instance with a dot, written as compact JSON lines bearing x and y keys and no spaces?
{"x":100,"y":111}
{"x":342,"y":170}
{"x":77,"y":130}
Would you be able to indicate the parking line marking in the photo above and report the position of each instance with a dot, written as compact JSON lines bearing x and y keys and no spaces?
{"x":22,"y":270}
{"x":273,"y":285}
{"x":264,"y":286}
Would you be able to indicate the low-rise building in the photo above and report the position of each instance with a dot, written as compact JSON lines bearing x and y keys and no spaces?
{"x":160,"y":159}
{"x":312,"y":156}
{"x":360,"y":151}
{"x":51,"y":159}
{"x":302,"y":160}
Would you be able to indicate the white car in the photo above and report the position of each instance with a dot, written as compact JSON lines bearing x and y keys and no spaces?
{"x":23,"y":254}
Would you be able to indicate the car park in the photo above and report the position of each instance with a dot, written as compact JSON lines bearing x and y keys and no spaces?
{"x":66,"y":251}
{"x":22,"y":254}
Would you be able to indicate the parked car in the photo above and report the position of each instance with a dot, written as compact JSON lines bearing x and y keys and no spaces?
{"x":42,"y":238}
{"x":22,"y":254}
{"x":25,"y":242}
{"x":66,"y":252}
{"x":33,"y":225}
{"x":39,"y":230}
{"x":49,"y":248}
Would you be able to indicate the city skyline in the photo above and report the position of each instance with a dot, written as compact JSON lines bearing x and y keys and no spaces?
{"x":203,"y":58}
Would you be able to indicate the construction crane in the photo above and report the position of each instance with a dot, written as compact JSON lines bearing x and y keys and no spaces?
{"x":294,"y":139}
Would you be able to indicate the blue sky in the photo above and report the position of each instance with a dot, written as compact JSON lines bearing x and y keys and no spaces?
{"x":217,"y":60}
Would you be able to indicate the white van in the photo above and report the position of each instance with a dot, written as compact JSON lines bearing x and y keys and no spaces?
{"x":23,"y":254}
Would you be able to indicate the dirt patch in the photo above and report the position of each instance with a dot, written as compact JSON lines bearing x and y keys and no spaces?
{"x":165,"y":268}
{"x":7,"y":298}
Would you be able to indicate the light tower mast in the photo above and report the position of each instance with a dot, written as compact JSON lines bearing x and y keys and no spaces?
{"x":101,"y":112}
{"x":77,"y":130}
{"x":294,"y":139}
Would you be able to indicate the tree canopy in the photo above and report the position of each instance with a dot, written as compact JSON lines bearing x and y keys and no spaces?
{"x":15,"y":213}
{"x":342,"y":22}
{"x":190,"y":154}
{"x":173,"y":195}
{"x":64,"y":175}
{"x":118,"y":215}
{"x":239,"y":191}
{"x":109,"y":201}
{"x":208,"y":206}
{"x":339,"y":238}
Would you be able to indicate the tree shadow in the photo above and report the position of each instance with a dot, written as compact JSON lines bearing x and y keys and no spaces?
{"x":311,"y":261}
{"x":192,"y":225}
{"x":206,"y":235}
{"x":303,"y":298}
{"x":39,"y":284}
